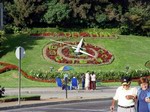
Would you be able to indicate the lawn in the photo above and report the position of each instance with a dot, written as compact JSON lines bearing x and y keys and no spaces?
{"x":132,"y":51}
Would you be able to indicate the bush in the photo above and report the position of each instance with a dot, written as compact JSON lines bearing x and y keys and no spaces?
{"x":12,"y":29}
{"x":101,"y":75}
{"x":124,"y":30}
{"x":9,"y":29}
{"x":146,"y":28}
{"x":2,"y":39}
{"x":44,"y":75}
{"x":2,"y":90}
{"x":23,"y":98}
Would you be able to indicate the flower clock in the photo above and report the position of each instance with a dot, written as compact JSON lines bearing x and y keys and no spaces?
{"x":64,"y":53}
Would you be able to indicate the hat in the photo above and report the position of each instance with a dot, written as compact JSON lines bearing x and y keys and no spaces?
{"x":126,"y":80}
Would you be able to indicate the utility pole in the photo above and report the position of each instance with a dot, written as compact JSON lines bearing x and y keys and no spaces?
{"x":1,"y":16}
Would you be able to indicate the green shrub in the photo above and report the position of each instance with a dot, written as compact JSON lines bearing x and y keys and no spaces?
{"x":100,"y":75}
{"x":44,"y":74}
{"x":124,"y":30}
{"x":10,"y":29}
{"x":58,"y":58}
{"x":23,"y":98}
{"x":146,"y":28}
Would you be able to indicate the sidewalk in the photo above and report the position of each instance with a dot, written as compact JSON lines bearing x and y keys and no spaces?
{"x":56,"y":96}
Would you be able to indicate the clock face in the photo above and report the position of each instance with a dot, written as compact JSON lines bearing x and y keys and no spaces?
{"x":62,"y":53}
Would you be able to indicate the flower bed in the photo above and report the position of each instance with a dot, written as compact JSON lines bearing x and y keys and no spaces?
{"x":61,"y":53}
{"x":110,"y":76}
{"x":6,"y":67}
{"x":76,"y":34}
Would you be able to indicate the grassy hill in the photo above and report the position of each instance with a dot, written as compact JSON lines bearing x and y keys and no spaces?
{"x":132,"y":51}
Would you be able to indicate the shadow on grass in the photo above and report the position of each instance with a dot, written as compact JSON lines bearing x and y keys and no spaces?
{"x":14,"y":41}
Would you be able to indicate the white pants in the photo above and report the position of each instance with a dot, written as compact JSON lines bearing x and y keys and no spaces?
{"x":87,"y":83}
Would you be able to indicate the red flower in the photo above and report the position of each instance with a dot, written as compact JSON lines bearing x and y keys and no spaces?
{"x":61,"y":34}
{"x":84,"y":34}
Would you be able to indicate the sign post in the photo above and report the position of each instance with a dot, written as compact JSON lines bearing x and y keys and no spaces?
{"x":20,"y":52}
{"x":66,"y":85}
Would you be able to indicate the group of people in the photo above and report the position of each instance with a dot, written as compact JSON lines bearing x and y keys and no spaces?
{"x":132,"y":99}
{"x":88,"y":81}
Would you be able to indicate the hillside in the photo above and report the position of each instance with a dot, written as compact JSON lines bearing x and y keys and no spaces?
{"x":131,"y":51}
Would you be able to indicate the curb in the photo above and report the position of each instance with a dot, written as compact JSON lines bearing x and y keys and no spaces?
{"x":51,"y":103}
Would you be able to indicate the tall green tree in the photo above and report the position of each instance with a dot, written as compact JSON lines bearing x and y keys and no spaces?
{"x":137,"y":17}
{"x":57,"y":13}
{"x":94,"y":13}
{"x":25,"y":12}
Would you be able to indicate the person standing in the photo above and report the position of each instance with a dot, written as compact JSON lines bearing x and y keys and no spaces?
{"x":143,"y":96}
{"x":93,"y":81}
{"x":87,"y":80}
{"x":90,"y":84}
{"x":83,"y":81}
{"x":125,"y":95}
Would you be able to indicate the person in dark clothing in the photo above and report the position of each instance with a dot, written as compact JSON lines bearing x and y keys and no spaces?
{"x":83,"y":80}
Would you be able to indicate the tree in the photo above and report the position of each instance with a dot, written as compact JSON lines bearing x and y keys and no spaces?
{"x":56,"y":13}
{"x":24,"y":12}
{"x":137,"y":17}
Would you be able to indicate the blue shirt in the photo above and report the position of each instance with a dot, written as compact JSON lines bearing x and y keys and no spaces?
{"x":143,"y":107}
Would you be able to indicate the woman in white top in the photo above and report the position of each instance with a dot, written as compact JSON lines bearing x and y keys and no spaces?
{"x":87,"y":80}
{"x":93,"y":81}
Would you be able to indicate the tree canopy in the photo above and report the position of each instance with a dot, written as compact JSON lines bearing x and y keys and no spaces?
{"x":131,"y":16}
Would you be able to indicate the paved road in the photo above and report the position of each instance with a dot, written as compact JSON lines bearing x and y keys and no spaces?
{"x":56,"y":95}
{"x":90,"y":106}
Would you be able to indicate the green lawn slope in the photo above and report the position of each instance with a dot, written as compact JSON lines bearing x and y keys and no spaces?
{"x":132,"y":51}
